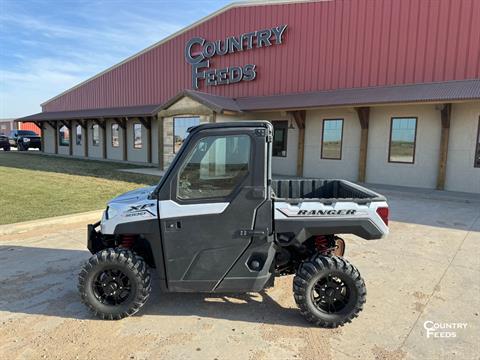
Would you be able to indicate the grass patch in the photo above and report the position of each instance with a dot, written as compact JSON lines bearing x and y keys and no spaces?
{"x":35,"y":186}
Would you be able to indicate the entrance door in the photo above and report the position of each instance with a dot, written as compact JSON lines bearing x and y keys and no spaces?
{"x":218,"y":184}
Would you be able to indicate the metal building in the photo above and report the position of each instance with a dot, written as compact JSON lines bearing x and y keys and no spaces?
{"x":370,"y":90}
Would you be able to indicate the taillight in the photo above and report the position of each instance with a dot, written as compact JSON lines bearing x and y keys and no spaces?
{"x":383,"y":213}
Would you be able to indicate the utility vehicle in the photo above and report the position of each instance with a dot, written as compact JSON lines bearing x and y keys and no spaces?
{"x":217,"y":222}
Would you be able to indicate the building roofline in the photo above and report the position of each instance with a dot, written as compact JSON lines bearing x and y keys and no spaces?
{"x":101,"y":113}
{"x":236,"y":4}
{"x":434,"y":92}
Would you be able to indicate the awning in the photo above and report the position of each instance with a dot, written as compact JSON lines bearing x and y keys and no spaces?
{"x":118,"y":112}
{"x":449,"y":91}
{"x":428,"y":92}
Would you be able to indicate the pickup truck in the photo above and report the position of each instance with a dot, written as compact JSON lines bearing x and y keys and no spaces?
{"x":24,"y":140}
{"x":217,"y":222}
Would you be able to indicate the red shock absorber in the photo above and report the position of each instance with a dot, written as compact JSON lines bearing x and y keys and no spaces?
{"x":127,"y":241}
{"x":321,"y":244}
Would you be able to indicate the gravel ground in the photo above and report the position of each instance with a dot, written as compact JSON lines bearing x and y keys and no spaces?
{"x":428,"y":269}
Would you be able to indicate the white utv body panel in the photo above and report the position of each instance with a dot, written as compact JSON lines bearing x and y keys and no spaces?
{"x":135,"y":206}
{"x":129,"y":207}
{"x":343,"y":211}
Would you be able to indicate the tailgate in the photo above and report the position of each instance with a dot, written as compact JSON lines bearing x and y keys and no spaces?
{"x":306,"y":218}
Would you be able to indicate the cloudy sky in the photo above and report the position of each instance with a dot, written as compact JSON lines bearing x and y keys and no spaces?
{"x":47,"y":47}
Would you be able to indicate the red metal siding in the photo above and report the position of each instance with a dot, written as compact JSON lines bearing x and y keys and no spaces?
{"x":327,"y":45}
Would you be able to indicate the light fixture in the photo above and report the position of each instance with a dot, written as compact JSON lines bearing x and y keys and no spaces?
{"x":291,"y":127}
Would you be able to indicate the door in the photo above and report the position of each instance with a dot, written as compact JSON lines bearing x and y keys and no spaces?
{"x":218,"y":184}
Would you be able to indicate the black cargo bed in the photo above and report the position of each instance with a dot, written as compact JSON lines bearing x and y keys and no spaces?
{"x":322,"y":189}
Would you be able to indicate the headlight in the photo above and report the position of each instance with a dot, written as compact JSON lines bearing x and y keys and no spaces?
{"x":26,"y":140}
{"x":111,"y":213}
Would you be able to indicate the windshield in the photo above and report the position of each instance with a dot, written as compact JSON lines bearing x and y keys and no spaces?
{"x":26,"y":132}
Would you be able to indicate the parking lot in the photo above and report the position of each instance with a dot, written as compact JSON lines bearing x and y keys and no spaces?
{"x":426,"y":272}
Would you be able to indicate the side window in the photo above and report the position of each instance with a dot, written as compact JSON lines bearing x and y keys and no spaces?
{"x":78,"y":135}
{"x":280,"y":130}
{"x":137,"y":136}
{"x":64,"y":136}
{"x":95,"y":135}
{"x":180,"y":127}
{"x":215,"y":167}
{"x":477,"y":148}
{"x":403,"y":134}
{"x":115,"y":135}
{"x":332,"y":138}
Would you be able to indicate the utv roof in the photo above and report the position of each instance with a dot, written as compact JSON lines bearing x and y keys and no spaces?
{"x":232,"y":124}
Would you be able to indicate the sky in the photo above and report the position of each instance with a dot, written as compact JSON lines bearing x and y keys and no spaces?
{"x":47,"y":47}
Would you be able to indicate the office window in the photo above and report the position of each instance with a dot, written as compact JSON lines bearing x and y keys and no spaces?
{"x":64,"y":136}
{"x":477,"y":150}
{"x":279,"y":146}
{"x":137,"y":136}
{"x":215,"y":167}
{"x":180,"y":127}
{"x":403,"y":132}
{"x":95,"y":135}
{"x":332,"y":137}
{"x":78,"y":135}
{"x":115,"y":135}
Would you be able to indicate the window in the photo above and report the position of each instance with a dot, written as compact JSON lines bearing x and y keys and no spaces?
{"x":95,"y":135}
{"x":279,"y":147}
{"x":180,"y":127}
{"x":477,"y":151}
{"x":215,"y":167}
{"x":64,"y":136}
{"x":137,"y":136}
{"x":115,"y":135}
{"x":25,"y":133}
{"x":403,"y":132}
{"x":332,"y":138}
{"x":78,"y":135}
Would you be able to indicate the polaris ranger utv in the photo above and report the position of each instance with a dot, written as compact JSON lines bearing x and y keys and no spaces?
{"x":218,"y":223}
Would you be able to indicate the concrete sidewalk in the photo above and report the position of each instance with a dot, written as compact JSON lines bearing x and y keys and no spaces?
{"x":146,"y":171}
{"x":22,"y":227}
{"x":426,"y":272}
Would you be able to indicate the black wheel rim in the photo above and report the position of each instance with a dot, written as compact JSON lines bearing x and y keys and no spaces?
{"x":330,"y":294}
{"x":112,"y":287}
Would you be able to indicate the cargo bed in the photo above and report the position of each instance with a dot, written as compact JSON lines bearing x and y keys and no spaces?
{"x":322,"y":190}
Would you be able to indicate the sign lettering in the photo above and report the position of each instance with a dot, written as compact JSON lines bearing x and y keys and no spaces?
{"x":199,"y":51}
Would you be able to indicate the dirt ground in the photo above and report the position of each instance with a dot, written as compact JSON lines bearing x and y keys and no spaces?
{"x":428,"y":269}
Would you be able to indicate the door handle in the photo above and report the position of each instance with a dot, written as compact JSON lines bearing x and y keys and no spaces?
{"x":252,"y":233}
{"x":173,"y":225}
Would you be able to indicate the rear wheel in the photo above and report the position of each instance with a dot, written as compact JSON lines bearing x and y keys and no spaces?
{"x":114,"y":283}
{"x":329,"y":291}
{"x":6,"y":148}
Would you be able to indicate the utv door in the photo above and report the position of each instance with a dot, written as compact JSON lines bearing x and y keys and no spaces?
{"x":213,"y":212}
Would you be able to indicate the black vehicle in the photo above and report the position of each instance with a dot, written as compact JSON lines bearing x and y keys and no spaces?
{"x":24,"y":140}
{"x":4,"y":143}
{"x":218,"y":222}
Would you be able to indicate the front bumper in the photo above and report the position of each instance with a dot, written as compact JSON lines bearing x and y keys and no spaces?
{"x":94,"y":238}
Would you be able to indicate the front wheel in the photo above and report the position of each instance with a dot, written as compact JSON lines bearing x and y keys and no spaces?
{"x":329,"y":291}
{"x":114,"y":283}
